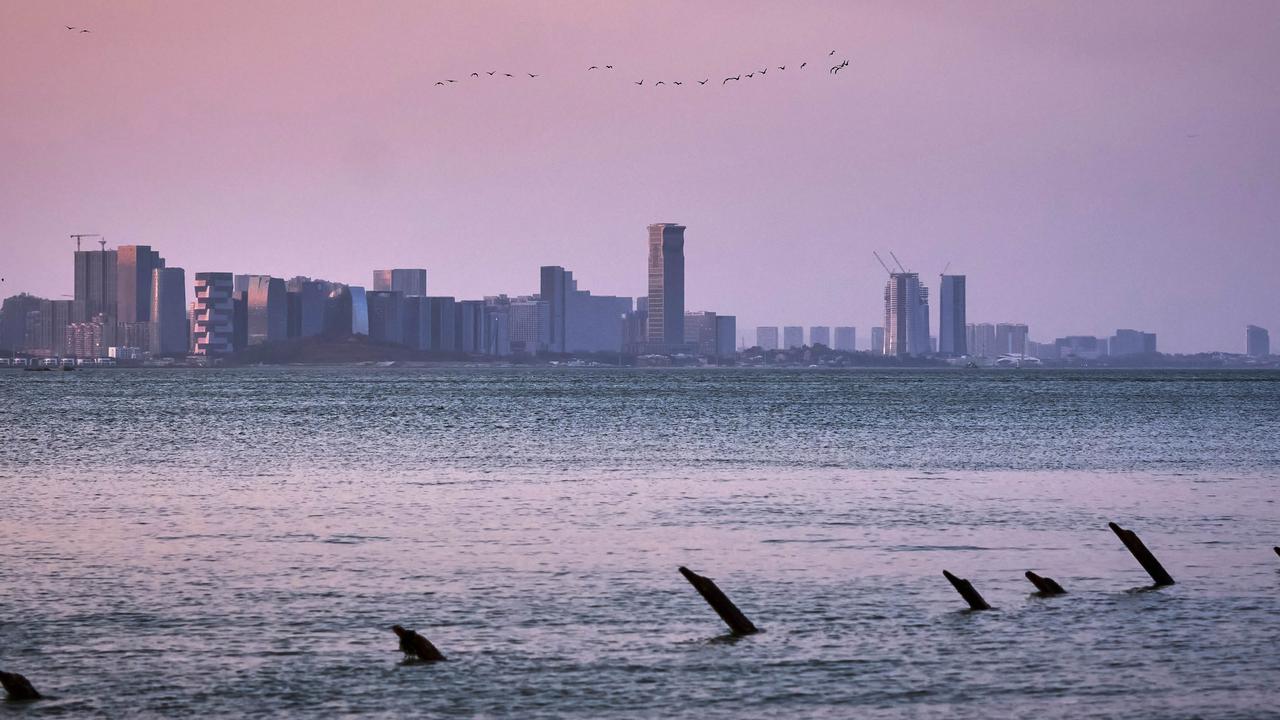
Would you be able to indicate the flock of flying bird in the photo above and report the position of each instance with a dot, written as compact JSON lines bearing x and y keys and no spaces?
{"x":73,"y":28}
{"x":834,"y":70}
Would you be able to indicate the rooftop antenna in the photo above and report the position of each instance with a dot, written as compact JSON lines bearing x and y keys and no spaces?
{"x":882,"y":263}
{"x":81,"y":236}
{"x":895,"y":259}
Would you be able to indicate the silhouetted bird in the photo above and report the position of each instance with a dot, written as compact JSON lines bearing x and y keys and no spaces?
{"x":532,"y":75}
{"x":608,"y":67}
{"x":84,"y":31}
{"x":508,"y":74}
{"x":639,"y":83}
{"x":490,"y":72}
{"x":782,"y":67}
{"x":703,"y":82}
{"x":764,"y":71}
{"x":439,"y":82}
{"x":660,"y":83}
{"x":735,"y":77}
{"x":676,"y":82}
{"x":833,"y":52}
{"x":452,"y":81}
{"x":475,"y":74}
{"x":593,"y":67}
{"x":18,"y":687}
{"x":71,"y":27}
{"x":751,"y":74}
{"x":414,"y":645}
{"x":803,"y":64}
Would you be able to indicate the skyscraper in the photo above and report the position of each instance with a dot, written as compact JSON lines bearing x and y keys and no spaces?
{"x":169,"y":332}
{"x":1132,"y":342}
{"x":792,"y":337}
{"x":1011,"y":339}
{"x":726,"y":336}
{"x":553,"y":289}
{"x":212,"y":327}
{"x":877,"y":341}
{"x":906,"y":315}
{"x":700,"y":332}
{"x":407,"y":281}
{"x":134,"y":266}
{"x":95,"y":285}
{"x":846,"y":339}
{"x":666,"y":285}
{"x":386,"y":320}
{"x":268,"y":310}
{"x":951,"y":317}
{"x":1257,"y":341}
{"x":820,"y":335}
{"x":767,"y":337}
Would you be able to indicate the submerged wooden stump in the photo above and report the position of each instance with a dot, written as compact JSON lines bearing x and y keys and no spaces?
{"x":416,"y":646}
{"x":1142,"y":555}
{"x":732,"y":616}
{"x":965,"y":588}
{"x":18,"y":687}
{"x":1046,"y":586}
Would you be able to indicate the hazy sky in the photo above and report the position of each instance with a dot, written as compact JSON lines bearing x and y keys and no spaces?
{"x":1088,"y":165}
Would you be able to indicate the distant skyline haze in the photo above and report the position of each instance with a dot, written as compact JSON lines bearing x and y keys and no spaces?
{"x":1088,"y":167}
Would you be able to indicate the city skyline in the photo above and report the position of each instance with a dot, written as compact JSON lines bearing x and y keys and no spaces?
{"x":944,"y":139}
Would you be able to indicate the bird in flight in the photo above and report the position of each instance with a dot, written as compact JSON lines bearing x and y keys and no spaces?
{"x":593,"y":67}
{"x":71,"y":27}
{"x":703,"y":82}
{"x":803,"y":64}
{"x":833,"y":52}
{"x":735,"y":77}
{"x":782,"y":67}
{"x":660,"y":83}
{"x":608,"y":67}
{"x":452,"y":81}
{"x":475,"y":74}
{"x":639,"y":83}
{"x":490,"y":73}
{"x":676,"y":82}
{"x":84,"y":31}
{"x":532,"y":75}
{"x":439,"y":82}
{"x":751,"y":74}
{"x":507,"y":74}
{"x":764,"y":71}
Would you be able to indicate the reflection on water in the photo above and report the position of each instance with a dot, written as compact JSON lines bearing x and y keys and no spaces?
{"x":232,"y":542}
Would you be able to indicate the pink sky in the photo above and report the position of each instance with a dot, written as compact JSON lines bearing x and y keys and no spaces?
{"x":1088,"y":165}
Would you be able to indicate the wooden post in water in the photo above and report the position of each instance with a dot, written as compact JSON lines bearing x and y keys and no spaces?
{"x":732,"y":616}
{"x":965,"y":588}
{"x":1142,"y":554}
{"x":18,"y":687}
{"x":1277,"y":549}
{"x":1046,"y":586}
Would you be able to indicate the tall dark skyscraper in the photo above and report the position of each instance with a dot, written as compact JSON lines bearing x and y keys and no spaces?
{"x":554,"y":288}
{"x":134,"y":264}
{"x":906,"y":315}
{"x":95,"y":285}
{"x":170,"y":334}
{"x":666,"y":285}
{"x":951,"y":320}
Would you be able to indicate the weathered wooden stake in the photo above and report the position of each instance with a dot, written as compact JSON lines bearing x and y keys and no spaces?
{"x":965,"y":588}
{"x":18,"y":687}
{"x":415,"y":645}
{"x":732,"y":616}
{"x":1046,"y":586}
{"x":1142,"y":554}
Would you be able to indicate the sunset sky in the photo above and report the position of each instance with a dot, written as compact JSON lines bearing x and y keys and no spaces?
{"x":1088,"y":165}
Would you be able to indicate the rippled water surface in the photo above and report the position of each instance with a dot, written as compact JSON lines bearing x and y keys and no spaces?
{"x":232,"y":542}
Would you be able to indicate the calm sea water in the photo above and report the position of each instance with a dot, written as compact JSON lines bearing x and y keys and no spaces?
{"x":233,"y":542}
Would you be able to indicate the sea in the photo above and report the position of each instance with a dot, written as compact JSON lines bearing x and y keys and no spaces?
{"x":237,"y":542}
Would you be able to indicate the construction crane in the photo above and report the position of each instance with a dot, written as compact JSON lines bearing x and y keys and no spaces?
{"x":882,"y":263}
{"x":945,"y":268}
{"x":895,"y":259}
{"x":81,"y":236}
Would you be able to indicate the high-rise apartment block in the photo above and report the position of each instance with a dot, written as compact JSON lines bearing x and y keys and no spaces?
{"x":268,"y":319}
{"x":906,"y":315}
{"x":666,"y":285}
{"x":877,"y":341}
{"x":767,"y":337}
{"x":820,"y":335}
{"x":846,"y":339}
{"x":952,"y":338}
{"x":1257,"y":341}
{"x":95,"y":286}
{"x":1011,"y":339}
{"x":212,"y":328}
{"x":1132,"y":342}
{"x":792,"y":337}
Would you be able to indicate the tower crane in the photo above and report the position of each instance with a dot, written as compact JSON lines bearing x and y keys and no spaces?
{"x":895,"y":259}
{"x":882,"y":263}
{"x":81,"y":236}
